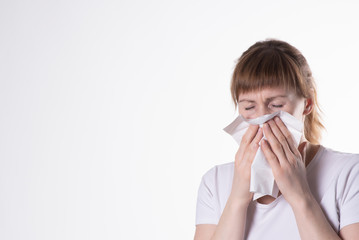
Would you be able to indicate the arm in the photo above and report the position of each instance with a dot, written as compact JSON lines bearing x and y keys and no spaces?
{"x":232,"y":222}
{"x":288,"y":169}
{"x":311,"y":222}
{"x":230,"y":226}
{"x":350,"y":232}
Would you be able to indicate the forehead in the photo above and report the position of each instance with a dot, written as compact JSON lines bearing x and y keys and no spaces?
{"x":268,"y":92}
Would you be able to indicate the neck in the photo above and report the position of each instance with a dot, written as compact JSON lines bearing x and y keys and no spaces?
{"x":310,"y":151}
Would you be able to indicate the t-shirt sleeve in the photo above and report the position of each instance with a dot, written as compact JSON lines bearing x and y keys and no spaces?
{"x":349,"y":199}
{"x":206,"y":209}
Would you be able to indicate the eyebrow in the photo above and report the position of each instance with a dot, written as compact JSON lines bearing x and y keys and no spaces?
{"x":268,"y":99}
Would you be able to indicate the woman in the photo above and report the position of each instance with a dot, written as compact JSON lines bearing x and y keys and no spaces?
{"x":319,"y":187}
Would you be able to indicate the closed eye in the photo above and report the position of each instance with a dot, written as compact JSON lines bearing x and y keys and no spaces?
{"x":249,"y":108}
{"x":278,"y":106}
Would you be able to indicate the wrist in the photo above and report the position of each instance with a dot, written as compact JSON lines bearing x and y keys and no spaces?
{"x":303,"y":203}
{"x":238,"y":203}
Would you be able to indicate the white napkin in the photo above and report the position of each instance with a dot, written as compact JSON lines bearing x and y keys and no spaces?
{"x":262,"y":180}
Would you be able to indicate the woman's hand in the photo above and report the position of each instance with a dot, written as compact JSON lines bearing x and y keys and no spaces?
{"x":242,"y":165}
{"x":286,"y":161}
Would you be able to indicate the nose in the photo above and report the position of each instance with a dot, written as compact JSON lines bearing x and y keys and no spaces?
{"x":263,"y":110}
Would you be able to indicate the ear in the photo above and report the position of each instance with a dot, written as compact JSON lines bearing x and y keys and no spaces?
{"x":308,"y":107}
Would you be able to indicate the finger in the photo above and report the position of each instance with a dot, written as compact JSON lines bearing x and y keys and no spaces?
{"x":288,"y":135}
{"x":249,"y":135}
{"x":289,"y":155}
{"x":269,"y":155}
{"x":246,"y":140}
{"x":254,"y":145}
{"x":275,"y":145}
{"x":259,"y":136}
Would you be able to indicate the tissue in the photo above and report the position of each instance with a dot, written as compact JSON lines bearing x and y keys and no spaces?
{"x":262,"y":180}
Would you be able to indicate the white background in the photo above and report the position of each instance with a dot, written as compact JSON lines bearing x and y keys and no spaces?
{"x":111,"y":111}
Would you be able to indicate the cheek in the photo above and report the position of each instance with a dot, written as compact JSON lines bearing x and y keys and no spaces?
{"x":248,"y":114}
{"x":245,"y":114}
{"x":295,"y":110}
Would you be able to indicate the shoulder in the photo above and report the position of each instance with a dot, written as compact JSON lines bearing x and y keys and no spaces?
{"x":338,"y":165}
{"x":343,"y":159}
{"x":328,"y":156}
{"x":345,"y":185}
{"x":219,"y":170}
{"x":219,"y":177}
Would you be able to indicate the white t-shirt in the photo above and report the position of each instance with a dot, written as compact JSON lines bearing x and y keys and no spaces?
{"x":333,"y":178}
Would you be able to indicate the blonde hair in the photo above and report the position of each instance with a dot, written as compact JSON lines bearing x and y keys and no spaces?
{"x":274,"y":63}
